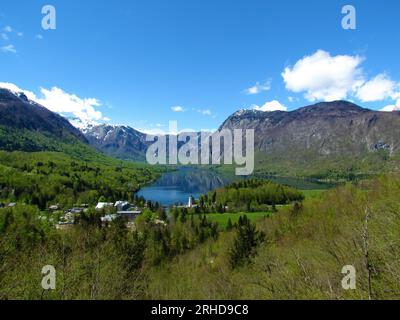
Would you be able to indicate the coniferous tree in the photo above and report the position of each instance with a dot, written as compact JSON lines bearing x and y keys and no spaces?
{"x":229,"y":225}
{"x":248,"y":238}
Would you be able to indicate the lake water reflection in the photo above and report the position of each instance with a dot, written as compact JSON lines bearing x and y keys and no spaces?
{"x":176,"y":187}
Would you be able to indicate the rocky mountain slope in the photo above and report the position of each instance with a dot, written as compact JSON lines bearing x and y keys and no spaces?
{"x":308,"y":136}
{"x":118,"y":141}
{"x":334,"y":128}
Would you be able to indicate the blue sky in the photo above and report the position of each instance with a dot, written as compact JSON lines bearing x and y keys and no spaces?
{"x":140,"y":62}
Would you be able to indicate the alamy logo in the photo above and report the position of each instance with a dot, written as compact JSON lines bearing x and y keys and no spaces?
{"x":49,"y":20}
{"x":203,"y":148}
{"x":349,"y":21}
{"x":49,"y":277}
{"x":349,"y":281}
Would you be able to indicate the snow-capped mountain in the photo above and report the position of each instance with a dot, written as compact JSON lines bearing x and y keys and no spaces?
{"x":122,"y":142}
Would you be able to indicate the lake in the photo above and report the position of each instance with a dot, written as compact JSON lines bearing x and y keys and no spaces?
{"x":176,"y":187}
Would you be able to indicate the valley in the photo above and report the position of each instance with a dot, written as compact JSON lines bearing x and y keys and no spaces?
{"x":283,"y":233}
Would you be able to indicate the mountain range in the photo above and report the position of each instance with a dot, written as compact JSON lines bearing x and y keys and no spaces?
{"x":328,"y":130}
{"x":118,"y":141}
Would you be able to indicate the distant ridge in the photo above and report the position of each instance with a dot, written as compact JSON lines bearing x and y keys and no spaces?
{"x":328,"y":128}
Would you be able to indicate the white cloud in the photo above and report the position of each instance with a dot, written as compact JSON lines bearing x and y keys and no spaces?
{"x":325,"y":77}
{"x":391,"y":108}
{"x":271,"y":106}
{"x":7,"y":31}
{"x":39,"y":37}
{"x":377,"y":89}
{"x":205,"y":112}
{"x":8,"y":49}
{"x":177,"y":109}
{"x":258,"y":88}
{"x":59,"y":101}
{"x":12,"y":87}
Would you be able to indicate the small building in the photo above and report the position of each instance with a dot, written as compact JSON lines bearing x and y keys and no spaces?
{"x":122,"y":205}
{"x":76,"y":210}
{"x":130,"y":215}
{"x":104,"y":205}
{"x":11,"y":205}
{"x":54,"y":207}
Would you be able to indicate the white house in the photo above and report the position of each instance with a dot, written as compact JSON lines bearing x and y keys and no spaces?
{"x":103,"y":205}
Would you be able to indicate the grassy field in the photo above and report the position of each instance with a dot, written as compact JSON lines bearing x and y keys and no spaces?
{"x":311,"y":194}
{"x":222,"y":219}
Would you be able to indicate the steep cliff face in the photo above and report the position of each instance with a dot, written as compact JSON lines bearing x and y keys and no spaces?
{"x":336,"y":128}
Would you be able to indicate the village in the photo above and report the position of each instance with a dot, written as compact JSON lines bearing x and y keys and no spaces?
{"x":109,"y":211}
{"x":66,"y":218}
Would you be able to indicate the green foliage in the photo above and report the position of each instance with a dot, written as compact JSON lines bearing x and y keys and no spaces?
{"x":146,"y":217}
{"x":229,"y":225}
{"x":13,"y":139}
{"x":297,"y":253}
{"x":92,"y":262}
{"x":327,"y":168}
{"x":166,"y":242}
{"x":223,"y":219}
{"x":303,"y":254}
{"x":47,"y":178}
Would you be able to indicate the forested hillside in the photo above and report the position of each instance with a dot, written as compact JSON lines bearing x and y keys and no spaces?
{"x":303,"y":253}
{"x":28,"y":126}
{"x":298,"y":253}
{"x":46,"y":178}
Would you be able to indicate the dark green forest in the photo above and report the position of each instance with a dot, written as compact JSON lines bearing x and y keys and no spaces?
{"x":249,"y":196}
